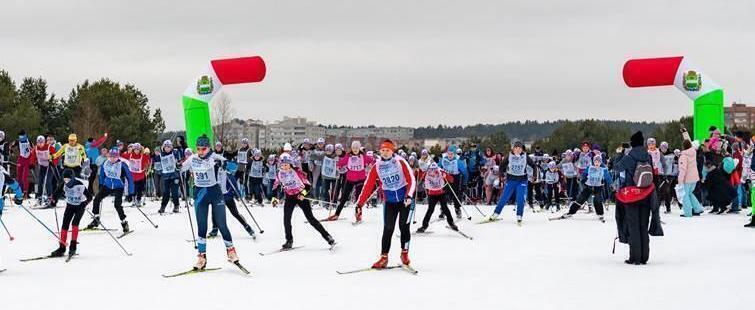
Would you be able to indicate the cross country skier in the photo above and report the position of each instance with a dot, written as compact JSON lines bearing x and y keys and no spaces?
{"x":113,"y":176}
{"x":256,"y":168}
{"x":435,"y":180}
{"x":25,"y":161}
{"x":6,"y":182}
{"x":396,"y":180}
{"x":295,"y":186}
{"x":4,"y":150}
{"x":516,"y":164}
{"x":570,"y":174}
{"x":138,"y":163}
{"x":270,"y":173}
{"x":242,"y":158}
{"x":316,"y":165}
{"x":305,"y":150}
{"x":229,"y":187}
{"x":423,"y":162}
{"x":329,"y":174}
{"x":452,"y":164}
{"x":73,"y":154}
{"x":552,"y":180}
{"x":77,"y":197}
{"x":169,"y":159}
{"x":91,"y":147}
{"x":355,"y":163}
{"x":595,"y":178}
{"x":42,"y":153}
{"x":205,"y":167}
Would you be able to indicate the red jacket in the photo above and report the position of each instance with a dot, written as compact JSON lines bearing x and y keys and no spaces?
{"x":138,"y":164}
{"x":406,"y":191}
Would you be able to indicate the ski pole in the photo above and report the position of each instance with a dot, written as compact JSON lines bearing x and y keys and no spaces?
{"x":262,"y":231}
{"x":614,"y":245}
{"x":188,"y":210}
{"x":57,"y":224}
{"x":6,"y":230}
{"x":478,"y":209}
{"x":321,"y":201}
{"x":109,"y":233}
{"x":147,"y":217}
{"x":43,"y":225}
{"x":469,"y":218}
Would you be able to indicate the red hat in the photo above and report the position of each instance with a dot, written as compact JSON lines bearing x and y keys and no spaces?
{"x":388,"y":144}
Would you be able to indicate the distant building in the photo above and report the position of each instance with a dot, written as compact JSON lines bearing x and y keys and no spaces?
{"x":239,"y":129}
{"x":371,"y":136}
{"x":290,"y":129}
{"x":445,"y":142}
{"x":739,"y":115}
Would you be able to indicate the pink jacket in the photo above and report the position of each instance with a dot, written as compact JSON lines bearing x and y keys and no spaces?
{"x":356,"y":175}
{"x":292,"y":191}
{"x":688,"y":166}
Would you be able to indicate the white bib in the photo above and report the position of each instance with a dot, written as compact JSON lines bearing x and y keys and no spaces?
{"x":391,"y":175}
{"x":290,"y":180}
{"x":75,"y":195}
{"x":135,"y":164}
{"x":356,"y":163}
{"x":569,"y":170}
{"x":329,"y":167}
{"x":24,"y":149}
{"x":72,"y":157}
{"x":203,"y":171}
{"x":517,"y":164}
{"x":551,"y":177}
{"x":434,"y":181}
{"x":43,"y":157}
{"x":168,"y":163}
{"x":112,"y":171}
{"x":257,"y":169}
{"x":594,"y":176}
{"x":451,"y":166}
{"x":242,"y":156}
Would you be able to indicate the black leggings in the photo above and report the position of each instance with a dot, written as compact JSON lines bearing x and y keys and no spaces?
{"x":432,"y":200}
{"x":230,"y":204}
{"x":391,"y":212}
{"x":117,"y":200}
{"x":72,"y":215}
{"x":346,"y":193}
{"x":596,"y":191}
{"x":288,"y":210}
{"x":139,"y":188}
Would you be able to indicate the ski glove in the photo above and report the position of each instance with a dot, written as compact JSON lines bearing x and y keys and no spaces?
{"x":408,"y":201}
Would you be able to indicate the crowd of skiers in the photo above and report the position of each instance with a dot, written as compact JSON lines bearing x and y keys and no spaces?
{"x":715,"y":172}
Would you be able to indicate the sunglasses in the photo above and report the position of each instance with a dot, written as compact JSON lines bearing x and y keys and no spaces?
{"x":202,"y":148}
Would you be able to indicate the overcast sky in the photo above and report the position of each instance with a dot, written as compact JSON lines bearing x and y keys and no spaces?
{"x":410,"y":63}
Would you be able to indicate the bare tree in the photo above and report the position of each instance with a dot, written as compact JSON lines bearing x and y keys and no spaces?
{"x":222,"y":114}
{"x":89,"y":121}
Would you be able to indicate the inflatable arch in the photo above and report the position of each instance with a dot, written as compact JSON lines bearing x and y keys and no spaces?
{"x":707,"y":96}
{"x":199,"y":94}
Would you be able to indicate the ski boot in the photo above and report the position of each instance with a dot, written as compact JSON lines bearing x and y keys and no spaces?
{"x":491,"y":218}
{"x":124,"y":224}
{"x":382,"y":262}
{"x":358,"y":215}
{"x":752,"y":223}
{"x":453,"y":227}
{"x":405,"y":257}
{"x":422,"y":229}
{"x":232,"y":256}
{"x":519,"y":220}
{"x":201,"y":262}
{"x":250,"y":231}
{"x":722,"y":211}
{"x":602,"y":219}
{"x":331,"y":241}
{"x":213,"y":233}
{"x":458,"y":213}
{"x":94,"y":224}
{"x":59,"y":252}
{"x":72,"y":248}
{"x":176,"y":209}
{"x":288,"y":245}
{"x":331,"y":218}
{"x":161,"y":211}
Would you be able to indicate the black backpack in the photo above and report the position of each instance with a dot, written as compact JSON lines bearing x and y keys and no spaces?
{"x":643,"y":174}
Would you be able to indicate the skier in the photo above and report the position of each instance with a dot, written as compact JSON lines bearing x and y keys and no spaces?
{"x":256,"y":168}
{"x":270,"y":174}
{"x":229,"y":187}
{"x":667,"y":174}
{"x":25,"y":161}
{"x":295,"y":186}
{"x":6,"y":182}
{"x":4,"y":150}
{"x":570,"y":174}
{"x":316,"y":165}
{"x":454,"y":165}
{"x":424,"y":162}
{"x":595,"y":177}
{"x":138,"y":163}
{"x":205,"y":167}
{"x":516,"y":164}
{"x":396,"y":180}
{"x":74,"y":155}
{"x":435,"y":180}
{"x":242,"y":158}
{"x":329,"y":173}
{"x":111,"y":179}
{"x":305,"y":151}
{"x":42,"y":153}
{"x":552,"y":180}
{"x":93,"y":152}
{"x":355,"y":162}
{"x":169,"y":159}
{"x":77,"y":197}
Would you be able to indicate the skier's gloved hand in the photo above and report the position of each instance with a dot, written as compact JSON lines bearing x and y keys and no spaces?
{"x":18,"y":200}
{"x":408,"y":201}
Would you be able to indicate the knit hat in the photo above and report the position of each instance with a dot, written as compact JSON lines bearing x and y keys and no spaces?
{"x":40,"y":139}
{"x":329,"y":148}
{"x":356,"y":144}
{"x":452,"y":149}
{"x":167,"y":143}
{"x":203,"y":141}
{"x":320,"y":140}
{"x":245,"y":141}
{"x":518,"y":143}
{"x":637,"y":139}
{"x":287,"y":147}
{"x":256,"y":152}
{"x":651,"y":141}
{"x":114,"y":152}
{"x":596,"y":146}
{"x":286,"y":159}
{"x":339,"y":146}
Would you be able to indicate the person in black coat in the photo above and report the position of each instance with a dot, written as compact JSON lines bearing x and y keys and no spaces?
{"x":718,"y":185}
{"x":633,"y":219}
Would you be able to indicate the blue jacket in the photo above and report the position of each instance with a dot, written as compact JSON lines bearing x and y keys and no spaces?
{"x":9,"y":182}
{"x":475,"y":160}
{"x":92,"y":152}
{"x":113,"y":183}
{"x":462,"y":168}
{"x":606,"y":175}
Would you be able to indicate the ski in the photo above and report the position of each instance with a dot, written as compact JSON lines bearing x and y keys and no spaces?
{"x":333,"y":247}
{"x":95,"y":229}
{"x":2,"y":270}
{"x":367,"y":269}
{"x":281,"y":250}
{"x":39,"y":258}
{"x":192,"y":271}
{"x":557,"y":218}
{"x":519,"y":223}
{"x":241,"y":267}
{"x":356,"y":223}
{"x":68,"y":259}
{"x":409,"y":269}
{"x":125,"y":234}
{"x":486,"y":221}
{"x":460,"y":233}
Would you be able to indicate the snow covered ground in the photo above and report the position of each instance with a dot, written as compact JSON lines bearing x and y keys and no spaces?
{"x":704,"y":262}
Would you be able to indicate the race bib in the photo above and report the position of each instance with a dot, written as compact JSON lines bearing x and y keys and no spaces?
{"x":594,"y":176}
{"x":24,"y":149}
{"x":568,"y":169}
{"x":390,"y":174}
{"x":112,"y":171}
{"x":329,"y":167}
{"x":72,"y":157}
{"x":74,"y":195}
{"x":551,"y":177}
{"x":43,"y":157}
{"x":290,"y":180}
{"x":135,"y":164}
{"x":517,"y":165}
{"x":242,"y":157}
{"x":204,"y":172}
{"x":451,"y":166}
{"x":257,"y":169}
{"x":168,"y":163}
{"x":356,"y":163}
{"x":434,"y":181}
